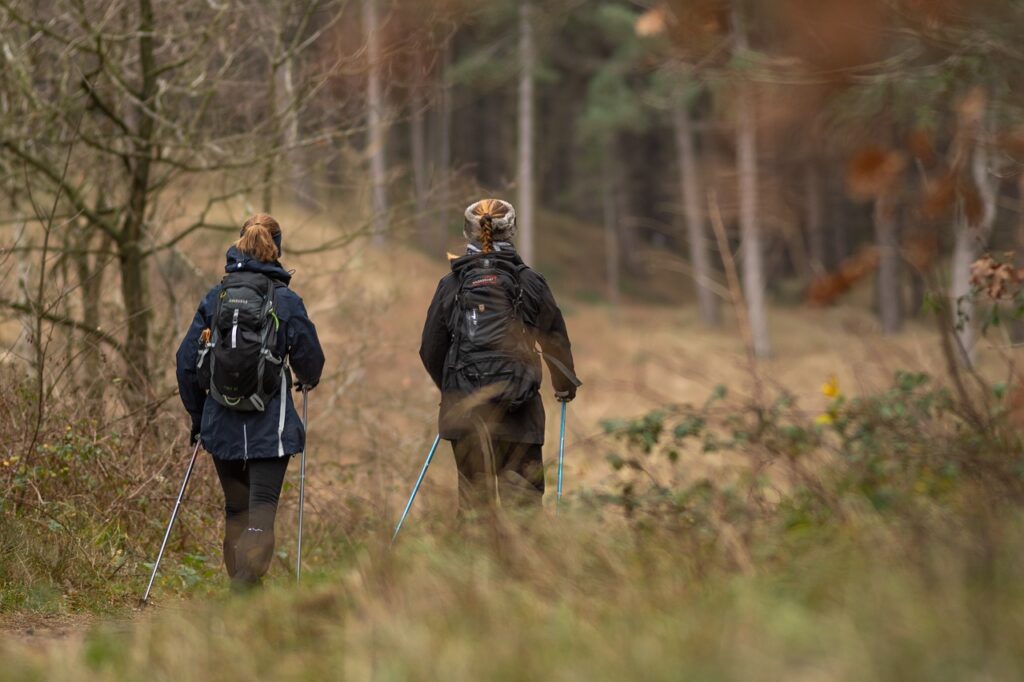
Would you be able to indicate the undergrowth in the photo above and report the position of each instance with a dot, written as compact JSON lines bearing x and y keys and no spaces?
{"x":878,"y":538}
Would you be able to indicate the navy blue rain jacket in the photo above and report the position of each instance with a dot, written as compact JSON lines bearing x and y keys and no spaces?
{"x":231,"y":435}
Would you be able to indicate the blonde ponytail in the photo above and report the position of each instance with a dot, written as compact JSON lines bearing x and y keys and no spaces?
{"x":487,"y":233}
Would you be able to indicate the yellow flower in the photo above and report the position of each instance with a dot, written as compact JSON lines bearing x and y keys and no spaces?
{"x":824,"y":420}
{"x":830,"y":389}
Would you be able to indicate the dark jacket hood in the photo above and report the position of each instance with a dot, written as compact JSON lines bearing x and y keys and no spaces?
{"x":238,"y":261}
{"x":505,"y":254}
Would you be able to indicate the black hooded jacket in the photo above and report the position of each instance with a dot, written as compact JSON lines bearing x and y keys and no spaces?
{"x":543,"y":319}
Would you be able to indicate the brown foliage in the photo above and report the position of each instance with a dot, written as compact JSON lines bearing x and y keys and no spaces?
{"x":873,"y":171}
{"x":827,"y":289}
{"x":939,"y":197}
{"x":996,"y":279}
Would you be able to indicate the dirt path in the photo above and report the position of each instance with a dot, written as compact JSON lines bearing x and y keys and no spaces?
{"x":35,"y":630}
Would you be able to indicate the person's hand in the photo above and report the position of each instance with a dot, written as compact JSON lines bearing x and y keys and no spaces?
{"x":300,"y":387}
{"x":565,"y":396}
{"x":196,"y":433}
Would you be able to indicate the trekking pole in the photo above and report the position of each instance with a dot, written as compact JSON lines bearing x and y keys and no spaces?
{"x":170,"y":525}
{"x":561,"y":457}
{"x":302,"y":481}
{"x":416,"y":488}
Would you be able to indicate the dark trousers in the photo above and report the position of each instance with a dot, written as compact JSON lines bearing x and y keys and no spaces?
{"x":251,"y":491}
{"x":492,"y":469}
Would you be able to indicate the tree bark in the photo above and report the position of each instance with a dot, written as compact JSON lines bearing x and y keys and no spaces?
{"x":814,"y":217}
{"x":418,"y":149}
{"x":890,"y":293}
{"x":611,"y":231}
{"x":444,"y":144}
{"x":375,"y":123}
{"x":750,"y":227}
{"x":1017,"y":330}
{"x":693,"y":210}
{"x":90,"y":282}
{"x":527,"y":67}
{"x":134,"y":285}
{"x":286,"y":111}
{"x":969,"y":242}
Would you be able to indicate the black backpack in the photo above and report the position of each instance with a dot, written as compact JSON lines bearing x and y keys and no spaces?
{"x":238,"y":363}
{"x":492,"y":350}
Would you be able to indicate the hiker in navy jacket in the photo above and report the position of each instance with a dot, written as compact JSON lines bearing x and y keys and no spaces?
{"x":497,"y":442}
{"x":251,"y":450}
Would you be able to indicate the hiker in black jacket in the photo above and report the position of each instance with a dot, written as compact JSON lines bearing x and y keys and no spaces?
{"x":251,"y":449}
{"x":479,"y":345}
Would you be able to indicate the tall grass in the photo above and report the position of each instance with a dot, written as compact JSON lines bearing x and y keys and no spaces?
{"x":581,"y":599}
{"x":878,"y":540}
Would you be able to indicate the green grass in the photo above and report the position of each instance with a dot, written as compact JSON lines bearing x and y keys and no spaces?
{"x":881,"y":543}
{"x":590,"y":600}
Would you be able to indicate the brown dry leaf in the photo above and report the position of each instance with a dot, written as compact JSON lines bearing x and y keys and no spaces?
{"x":920,"y":249}
{"x":974,"y":208}
{"x":919,"y":142}
{"x":827,"y":289}
{"x":652,"y":23}
{"x":971,"y":108}
{"x":939,"y":197}
{"x":874,"y":170}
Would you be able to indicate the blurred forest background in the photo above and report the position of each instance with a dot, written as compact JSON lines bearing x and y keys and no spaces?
{"x":788,"y":237}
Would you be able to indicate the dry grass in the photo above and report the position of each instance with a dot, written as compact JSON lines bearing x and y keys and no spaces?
{"x":590,"y":597}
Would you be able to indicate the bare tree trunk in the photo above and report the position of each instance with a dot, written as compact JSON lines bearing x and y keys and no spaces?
{"x":750,"y":228}
{"x":693,"y":209}
{"x":134,"y":285}
{"x":611,"y":231}
{"x":1018,"y":259}
{"x":375,"y":122}
{"x":90,"y":282}
{"x":969,"y":241}
{"x":814,"y":217}
{"x":444,"y":152}
{"x":418,"y":148}
{"x":889,"y":286}
{"x":527,"y":66}
{"x":286,"y":112}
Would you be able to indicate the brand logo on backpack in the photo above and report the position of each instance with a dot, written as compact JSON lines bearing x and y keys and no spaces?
{"x":486,"y":281}
{"x":239,"y":362}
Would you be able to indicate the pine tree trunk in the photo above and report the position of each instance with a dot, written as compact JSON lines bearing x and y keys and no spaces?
{"x":527,"y":67}
{"x":611,"y":231}
{"x":814,"y":217}
{"x":444,"y":144}
{"x":890,"y":290}
{"x":1018,"y":261}
{"x":693,"y":210}
{"x":421,"y":181}
{"x":375,"y":122}
{"x":750,"y":229}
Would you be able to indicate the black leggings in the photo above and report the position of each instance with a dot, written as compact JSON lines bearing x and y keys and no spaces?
{"x":251,"y":490}
{"x":489,"y":469}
